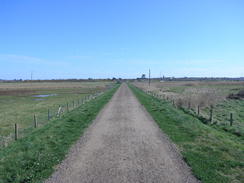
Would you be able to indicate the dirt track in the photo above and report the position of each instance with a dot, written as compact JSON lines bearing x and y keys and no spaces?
{"x":123,"y":145}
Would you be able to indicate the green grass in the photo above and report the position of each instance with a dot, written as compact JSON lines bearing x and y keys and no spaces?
{"x":33,"y":158}
{"x":221,"y":115}
{"x":213,"y":155}
{"x":18,"y":104}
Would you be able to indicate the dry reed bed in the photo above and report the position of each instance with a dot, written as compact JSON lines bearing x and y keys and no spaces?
{"x":193,"y":93}
{"x":207,"y":100}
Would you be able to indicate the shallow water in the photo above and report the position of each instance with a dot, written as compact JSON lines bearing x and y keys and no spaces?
{"x":47,"y":95}
{"x":39,"y":99}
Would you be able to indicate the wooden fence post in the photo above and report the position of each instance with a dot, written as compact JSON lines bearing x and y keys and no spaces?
{"x":67,"y":106}
{"x":35,"y":121}
{"x":59,"y":111}
{"x":231,"y":119}
{"x":73,"y":104}
{"x":198,"y":110}
{"x":16,"y":131}
{"x":211,"y":114}
{"x":48,"y":114}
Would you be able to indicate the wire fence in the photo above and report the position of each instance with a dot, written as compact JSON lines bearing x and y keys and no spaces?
{"x":42,"y":118}
{"x":206,"y":116}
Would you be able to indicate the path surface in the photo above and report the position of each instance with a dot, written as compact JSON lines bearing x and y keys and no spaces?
{"x":123,"y":145}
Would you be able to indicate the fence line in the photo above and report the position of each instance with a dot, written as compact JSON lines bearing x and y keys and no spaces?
{"x":179,"y":104}
{"x":51,"y":114}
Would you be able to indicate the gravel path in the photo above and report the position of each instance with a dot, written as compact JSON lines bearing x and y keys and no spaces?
{"x":123,"y":145}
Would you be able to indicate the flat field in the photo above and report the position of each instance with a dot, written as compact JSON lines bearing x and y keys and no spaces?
{"x":21,"y":100}
{"x":213,"y":154}
{"x":203,"y":94}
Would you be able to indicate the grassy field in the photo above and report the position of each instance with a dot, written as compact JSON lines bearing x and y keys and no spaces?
{"x":33,"y":158}
{"x":213,"y":154}
{"x":191,"y":94}
{"x":20,"y":101}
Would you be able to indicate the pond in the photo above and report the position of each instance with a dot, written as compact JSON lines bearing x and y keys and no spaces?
{"x":43,"y":96}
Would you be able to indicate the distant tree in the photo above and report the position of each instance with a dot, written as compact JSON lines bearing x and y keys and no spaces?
{"x":143,"y":76}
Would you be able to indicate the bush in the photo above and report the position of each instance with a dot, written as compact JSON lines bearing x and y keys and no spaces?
{"x":237,"y":96}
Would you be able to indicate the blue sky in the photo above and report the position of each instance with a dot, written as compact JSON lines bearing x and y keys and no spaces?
{"x":121,"y":38}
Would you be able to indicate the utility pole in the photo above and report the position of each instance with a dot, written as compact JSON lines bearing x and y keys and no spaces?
{"x":149,"y":78}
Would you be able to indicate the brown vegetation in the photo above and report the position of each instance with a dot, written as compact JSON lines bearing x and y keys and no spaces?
{"x":192,"y":94}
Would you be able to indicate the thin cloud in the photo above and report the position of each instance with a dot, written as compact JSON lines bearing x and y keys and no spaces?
{"x":22,"y":59}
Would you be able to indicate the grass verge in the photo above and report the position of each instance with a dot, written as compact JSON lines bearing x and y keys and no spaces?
{"x":213,"y":155}
{"x":33,"y":158}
